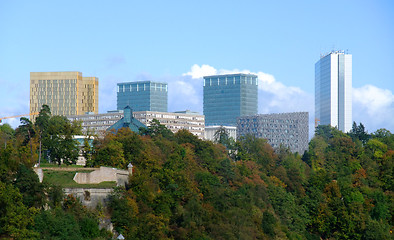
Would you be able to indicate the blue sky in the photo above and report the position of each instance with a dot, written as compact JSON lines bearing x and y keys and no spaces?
{"x":179,"y":41}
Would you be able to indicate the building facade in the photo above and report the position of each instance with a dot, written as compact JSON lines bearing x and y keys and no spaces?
{"x":227,"y":97}
{"x":191,"y":121}
{"x":66,"y":93}
{"x":97,"y":123}
{"x":288,"y":129}
{"x":210,"y":131}
{"x":143,"y":96}
{"x":333,"y":90}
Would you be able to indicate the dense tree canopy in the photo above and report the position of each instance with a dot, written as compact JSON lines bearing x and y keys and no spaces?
{"x":33,"y":210}
{"x":183,"y":187}
{"x":187,"y":188}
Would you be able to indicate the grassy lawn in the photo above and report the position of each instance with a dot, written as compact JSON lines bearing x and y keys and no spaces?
{"x":65,"y":180}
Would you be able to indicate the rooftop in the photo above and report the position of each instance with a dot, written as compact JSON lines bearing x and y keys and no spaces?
{"x":135,"y":82}
{"x":322,"y":55}
{"x":232,"y":74}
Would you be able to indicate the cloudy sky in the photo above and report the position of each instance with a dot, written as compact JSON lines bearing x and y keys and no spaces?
{"x":180,"y":41}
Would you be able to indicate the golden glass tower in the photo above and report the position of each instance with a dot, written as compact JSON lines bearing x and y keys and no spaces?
{"x":66,"y":93}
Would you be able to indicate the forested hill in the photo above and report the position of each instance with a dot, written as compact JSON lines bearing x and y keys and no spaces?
{"x":186,"y":188}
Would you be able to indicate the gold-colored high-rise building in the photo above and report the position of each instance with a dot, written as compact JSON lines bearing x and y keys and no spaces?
{"x":66,"y":93}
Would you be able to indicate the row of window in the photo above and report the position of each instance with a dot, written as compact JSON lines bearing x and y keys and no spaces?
{"x":60,"y":81}
{"x":233,"y":80}
{"x":142,"y":87}
{"x":155,"y":115}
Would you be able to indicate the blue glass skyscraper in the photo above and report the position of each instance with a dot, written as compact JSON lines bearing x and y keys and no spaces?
{"x":143,"y":96}
{"x":227,"y":97}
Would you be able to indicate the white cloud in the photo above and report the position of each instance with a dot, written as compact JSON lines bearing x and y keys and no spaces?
{"x":184,"y":93}
{"x":199,"y":72}
{"x":374,"y":107}
{"x":187,"y":90}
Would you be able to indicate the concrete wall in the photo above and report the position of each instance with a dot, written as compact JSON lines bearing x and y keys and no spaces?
{"x":90,"y":197}
{"x":103,"y":174}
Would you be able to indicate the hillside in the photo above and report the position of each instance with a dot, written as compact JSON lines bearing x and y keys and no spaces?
{"x":186,"y":188}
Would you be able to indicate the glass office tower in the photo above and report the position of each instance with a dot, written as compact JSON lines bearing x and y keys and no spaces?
{"x":227,"y":97}
{"x":333,"y":90}
{"x":143,"y":96}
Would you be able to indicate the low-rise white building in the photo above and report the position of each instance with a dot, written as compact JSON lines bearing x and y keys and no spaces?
{"x":175,"y":121}
{"x":211,"y":130}
{"x":97,"y":123}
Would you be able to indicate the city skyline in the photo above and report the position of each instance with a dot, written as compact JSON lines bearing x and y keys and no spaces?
{"x":182,"y":42}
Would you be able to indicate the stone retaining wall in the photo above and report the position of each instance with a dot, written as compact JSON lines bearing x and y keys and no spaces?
{"x":104,"y":174}
{"x":90,"y":197}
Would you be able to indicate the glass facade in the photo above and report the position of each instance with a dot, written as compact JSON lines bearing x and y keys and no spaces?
{"x":227,"y":97}
{"x":333,"y":90}
{"x":143,"y":96}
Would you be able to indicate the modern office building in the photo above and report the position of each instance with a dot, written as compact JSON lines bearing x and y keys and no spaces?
{"x":333,"y":90}
{"x":191,"y":121}
{"x":288,"y":129}
{"x":210,"y":132}
{"x":97,"y":123}
{"x":227,"y":97}
{"x":143,"y":96}
{"x":66,"y":93}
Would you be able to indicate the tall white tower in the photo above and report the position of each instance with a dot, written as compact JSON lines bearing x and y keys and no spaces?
{"x":333,"y":90}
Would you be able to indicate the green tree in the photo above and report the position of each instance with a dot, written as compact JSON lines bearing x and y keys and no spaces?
{"x":7,"y":133}
{"x":27,"y":132}
{"x":60,"y":143}
{"x":41,"y":123}
{"x":155,"y":129}
{"x":15,"y":218}
{"x":377,"y":230}
{"x":87,"y":150}
{"x":221,"y":136}
{"x":123,"y":212}
{"x":268,"y":224}
{"x":385,"y":136}
{"x":55,"y":195}
{"x":257,"y":149}
{"x":110,"y":154}
{"x":57,"y":224}
{"x":359,"y":133}
{"x":26,"y":180}
{"x":8,"y":163}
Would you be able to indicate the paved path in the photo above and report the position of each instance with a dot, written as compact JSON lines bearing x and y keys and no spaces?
{"x":68,"y":169}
